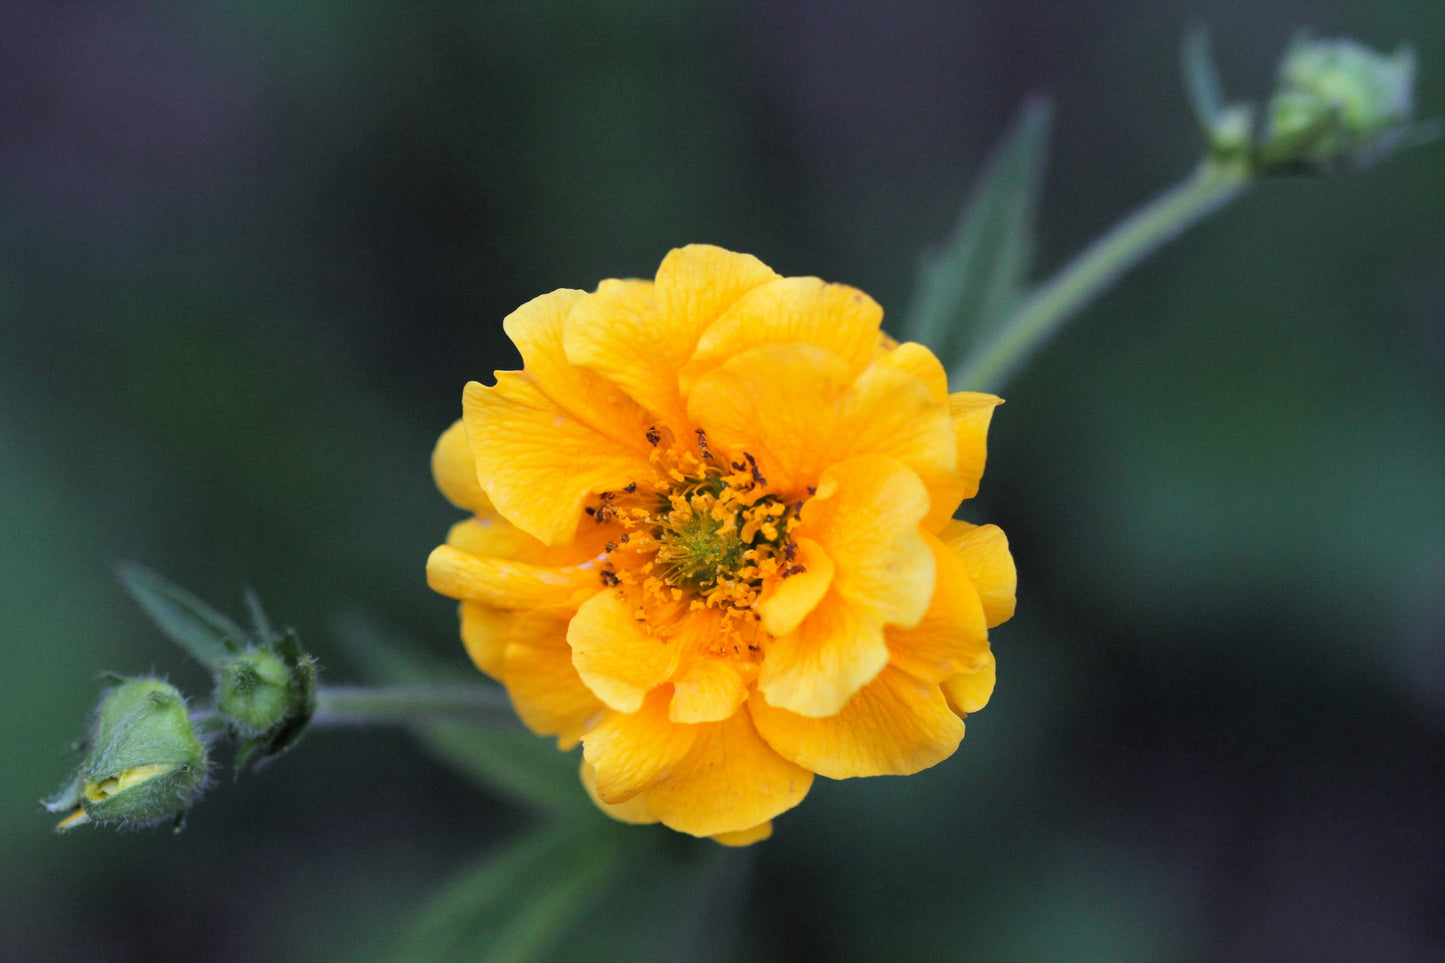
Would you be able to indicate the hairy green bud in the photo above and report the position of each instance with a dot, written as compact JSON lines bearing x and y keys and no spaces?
{"x":1337,"y":102}
{"x":254,"y":691}
{"x":144,"y":762}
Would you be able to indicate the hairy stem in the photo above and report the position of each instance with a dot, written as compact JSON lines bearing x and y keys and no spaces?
{"x":1078,"y":283}
{"x":370,"y":705}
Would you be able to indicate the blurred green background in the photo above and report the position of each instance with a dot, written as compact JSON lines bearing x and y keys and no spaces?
{"x":250,"y":253}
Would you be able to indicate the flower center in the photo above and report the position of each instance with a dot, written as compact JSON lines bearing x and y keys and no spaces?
{"x":707,"y":534}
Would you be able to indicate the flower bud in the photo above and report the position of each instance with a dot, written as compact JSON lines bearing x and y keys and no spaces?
{"x":267,"y":695}
{"x":144,"y":762}
{"x":254,"y":691}
{"x":1336,"y":102}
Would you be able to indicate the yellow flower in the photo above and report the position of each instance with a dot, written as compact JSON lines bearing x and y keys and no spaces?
{"x":713,"y":541}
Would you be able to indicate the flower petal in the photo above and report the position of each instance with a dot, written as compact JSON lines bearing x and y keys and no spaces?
{"x":984,"y":550}
{"x":834,"y":317}
{"x":632,"y":810}
{"x":729,"y":781}
{"x":797,"y":410}
{"x":971,"y":412}
{"x":630,"y":751}
{"x":865,"y":516}
{"x":455,"y":470}
{"x":504,"y":583}
{"x":953,"y":636}
{"x":894,"y":726}
{"x":917,"y":360}
{"x":639,"y":336}
{"x":485,"y":630}
{"x":538,"y":328}
{"x":785,"y":602}
{"x":745,"y":837}
{"x":615,"y":654}
{"x":537,"y":462}
{"x":816,"y":668}
{"x":708,"y":687}
{"x":970,"y":692}
{"x":545,"y":688}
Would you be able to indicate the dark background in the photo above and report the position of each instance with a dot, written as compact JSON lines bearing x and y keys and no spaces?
{"x":250,"y":253}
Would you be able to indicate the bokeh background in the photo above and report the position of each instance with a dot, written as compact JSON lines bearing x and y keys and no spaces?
{"x":250,"y":253}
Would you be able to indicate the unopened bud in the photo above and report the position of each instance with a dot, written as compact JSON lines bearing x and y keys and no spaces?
{"x":267,"y":696}
{"x":144,"y":761}
{"x":1337,"y":102}
{"x":254,"y":691}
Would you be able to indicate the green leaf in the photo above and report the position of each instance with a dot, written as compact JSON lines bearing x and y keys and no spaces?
{"x":623,"y":892}
{"x":973,"y":283}
{"x":511,"y":760}
{"x":519,"y":905}
{"x":192,"y":624}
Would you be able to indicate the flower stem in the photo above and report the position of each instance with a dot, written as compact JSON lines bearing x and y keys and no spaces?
{"x":1078,"y":283}
{"x":370,"y":705}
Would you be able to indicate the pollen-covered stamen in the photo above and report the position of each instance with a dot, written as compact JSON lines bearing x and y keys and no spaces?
{"x":706,"y":536}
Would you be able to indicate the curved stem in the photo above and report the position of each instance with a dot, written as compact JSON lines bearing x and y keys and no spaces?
{"x":1080,"y":281}
{"x":370,"y":705}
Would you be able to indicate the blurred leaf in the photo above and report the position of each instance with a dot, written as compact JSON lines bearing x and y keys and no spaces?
{"x":975,"y":281}
{"x":624,"y":892}
{"x":1201,"y":80}
{"x":518,"y":905}
{"x":680,"y":905}
{"x":192,"y":624}
{"x":259,"y":621}
{"x":513,"y":761}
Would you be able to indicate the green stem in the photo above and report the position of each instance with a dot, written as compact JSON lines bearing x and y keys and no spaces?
{"x":369,"y":705}
{"x":1079,"y":282}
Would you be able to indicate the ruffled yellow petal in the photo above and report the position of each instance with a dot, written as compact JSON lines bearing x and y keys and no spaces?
{"x":970,"y":692}
{"x":630,"y":751}
{"x":709,"y":687}
{"x":615,"y":654}
{"x":953,"y":636}
{"x":632,"y":810}
{"x":865,"y":516}
{"x":834,"y":317}
{"x":917,"y":360}
{"x":545,"y":688}
{"x":894,"y":726}
{"x":504,"y":583}
{"x":455,"y":471}
{"x":799,"y":410}
{"x":785,"y":602}
{"x":971,"y":412}
{"x":745,"y":837}
{"x":485,"y":630}
{"x":729,"y":781}
{"x":816,"y":668}
{"x":538,"y":329}
{"x":537,"y":462}
{"x":984,"y":550}
{"x":639,"y":336}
